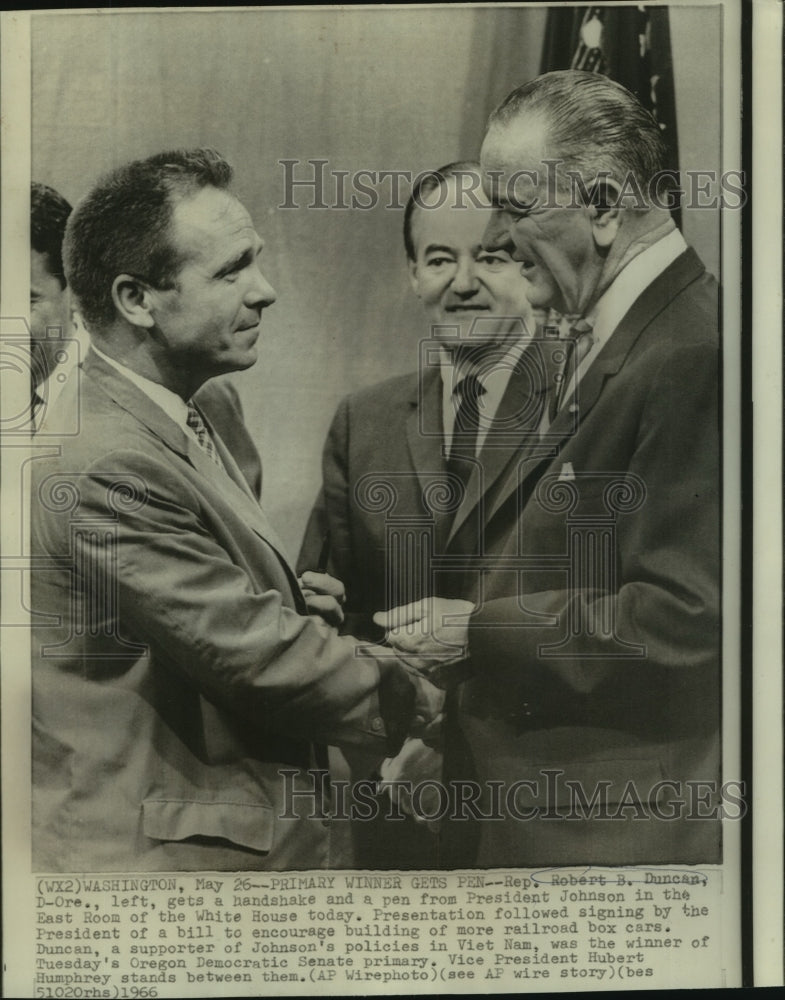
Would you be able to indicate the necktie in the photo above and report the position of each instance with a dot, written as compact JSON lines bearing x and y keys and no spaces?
{"x":571,"y":350}
{"x":36,"y":402}
{"x":467,"y":425}
{"x":198,"y":426}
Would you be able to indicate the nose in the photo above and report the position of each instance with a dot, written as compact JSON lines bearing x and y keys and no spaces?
{"x":260,"y":291}
{"x":497,"y":233}
{"x":464,"y":280}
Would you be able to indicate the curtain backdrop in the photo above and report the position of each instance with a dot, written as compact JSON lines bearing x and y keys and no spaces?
{"x":375,"y":89}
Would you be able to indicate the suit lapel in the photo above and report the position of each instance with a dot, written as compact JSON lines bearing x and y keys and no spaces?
{"x":159,"y":423}
{"x":649,"y":304}
{"x":424,"y":431}
{"x":511,"y":432}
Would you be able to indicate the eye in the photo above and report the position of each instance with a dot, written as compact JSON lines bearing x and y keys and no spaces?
{"x":493,"y":261}
{"x":438,"y":261}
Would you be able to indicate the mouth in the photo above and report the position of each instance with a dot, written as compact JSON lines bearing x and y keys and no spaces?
{"x":250,"y":326}
{"x":473,"y":307}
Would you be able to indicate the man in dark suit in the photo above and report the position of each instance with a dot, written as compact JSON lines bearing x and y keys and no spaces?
{"x":51,"y":354}
{"x":594,"y":647}
{"x":398,"y":454}
{"x":182,"y":687}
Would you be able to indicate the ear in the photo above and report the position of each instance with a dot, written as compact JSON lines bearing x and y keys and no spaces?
{"x":414,"y":278}
{"x":605,"y":212}
{"x":133,"y":300}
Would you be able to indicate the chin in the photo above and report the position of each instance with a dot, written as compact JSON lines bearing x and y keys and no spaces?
{"x":543,"y":297}
{"x":238,"y":362}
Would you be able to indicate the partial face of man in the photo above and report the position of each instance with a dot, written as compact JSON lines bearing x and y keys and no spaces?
{"x":49,"y":311}
{"x":556,"y":245}
{"x":458,"y":281}
{"x":209,"y":323}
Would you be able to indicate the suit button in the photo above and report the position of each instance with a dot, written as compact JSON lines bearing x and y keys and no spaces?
{"x":377,"y":725}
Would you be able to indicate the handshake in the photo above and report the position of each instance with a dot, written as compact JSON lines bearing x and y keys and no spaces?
{"x":430,"y":636}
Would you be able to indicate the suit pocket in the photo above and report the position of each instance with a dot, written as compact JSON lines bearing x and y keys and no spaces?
{"x":248,"y":825}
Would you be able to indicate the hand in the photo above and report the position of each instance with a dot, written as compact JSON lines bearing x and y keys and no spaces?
{"x":324,"y":596}
{"x":416,"y":765}
{"x":428,"y":634}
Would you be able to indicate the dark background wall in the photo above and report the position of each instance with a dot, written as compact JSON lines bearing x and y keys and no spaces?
{"x":376,"y":89}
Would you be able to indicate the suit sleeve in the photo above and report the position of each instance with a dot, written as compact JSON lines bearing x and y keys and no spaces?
{"x":667,"y":560}
{"x":171,"y":586}
{"x":332,"y":512}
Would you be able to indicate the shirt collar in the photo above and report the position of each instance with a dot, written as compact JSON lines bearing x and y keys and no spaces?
{"x":634,"y":278}
{"x":632,"y":281}
{"x":172,"y":404}
{"x":494,"y":383}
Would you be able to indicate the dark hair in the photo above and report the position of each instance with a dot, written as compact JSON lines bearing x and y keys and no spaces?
{"x":124,"y":223}
{"x":49,"y":213}
{"x":592,"y":123}
{"x":423,"y":185}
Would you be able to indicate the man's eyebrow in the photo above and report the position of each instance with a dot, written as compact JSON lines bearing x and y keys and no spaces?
{"x":439,"y":248}
{"x":482,"y":249}
{"x":239,"y":261}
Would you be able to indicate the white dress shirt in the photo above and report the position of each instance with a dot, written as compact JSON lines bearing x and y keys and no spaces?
{"x":494,"y":382}
{"x":49,"y":390}
{"x":627,"y":286}
{"x":172,"y":404}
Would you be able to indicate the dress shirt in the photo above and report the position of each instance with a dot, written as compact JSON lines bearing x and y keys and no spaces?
{"x":627,"y":286}
{"x":172,"y":404}
{"x":494,"y":382}
{"x":51,"y":387}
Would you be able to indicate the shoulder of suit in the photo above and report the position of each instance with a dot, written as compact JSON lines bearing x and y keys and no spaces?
{"x":400,"y":388}
{"x":104,"y":428}
{"x":693,"y":315}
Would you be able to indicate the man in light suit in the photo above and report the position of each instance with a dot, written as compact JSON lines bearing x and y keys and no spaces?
{"x":57,"y":340}
{"x":182,"y":687}
{"x":593,"y":649}
{"x":403,"y":440}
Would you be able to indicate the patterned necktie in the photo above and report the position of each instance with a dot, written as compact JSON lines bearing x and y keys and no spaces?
{"x":467,"y":425}
{"x":573,"y":347}
{"x":198,"y":426}
{"x":36,"y":402}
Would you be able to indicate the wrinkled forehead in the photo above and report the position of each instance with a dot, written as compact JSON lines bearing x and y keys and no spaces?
{"x":209,"y":221}
{"x":460,"y":191}
{"x":454,"y":213}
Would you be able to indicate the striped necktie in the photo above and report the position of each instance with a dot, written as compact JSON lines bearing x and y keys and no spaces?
{"x":576,"y":345}
{"x":36,"y":416}
{"x":203,"y":436}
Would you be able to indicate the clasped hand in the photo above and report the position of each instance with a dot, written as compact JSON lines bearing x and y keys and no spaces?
{"x":324,"y":596}
{"x":428,"y":634}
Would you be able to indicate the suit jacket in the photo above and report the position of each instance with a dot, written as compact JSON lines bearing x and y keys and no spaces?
{"x":596,"y":642}
{"x":388,"y":500}
{"x":220,"y":404}
{"x":632,"y":699}
{"x":175,"y":669}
